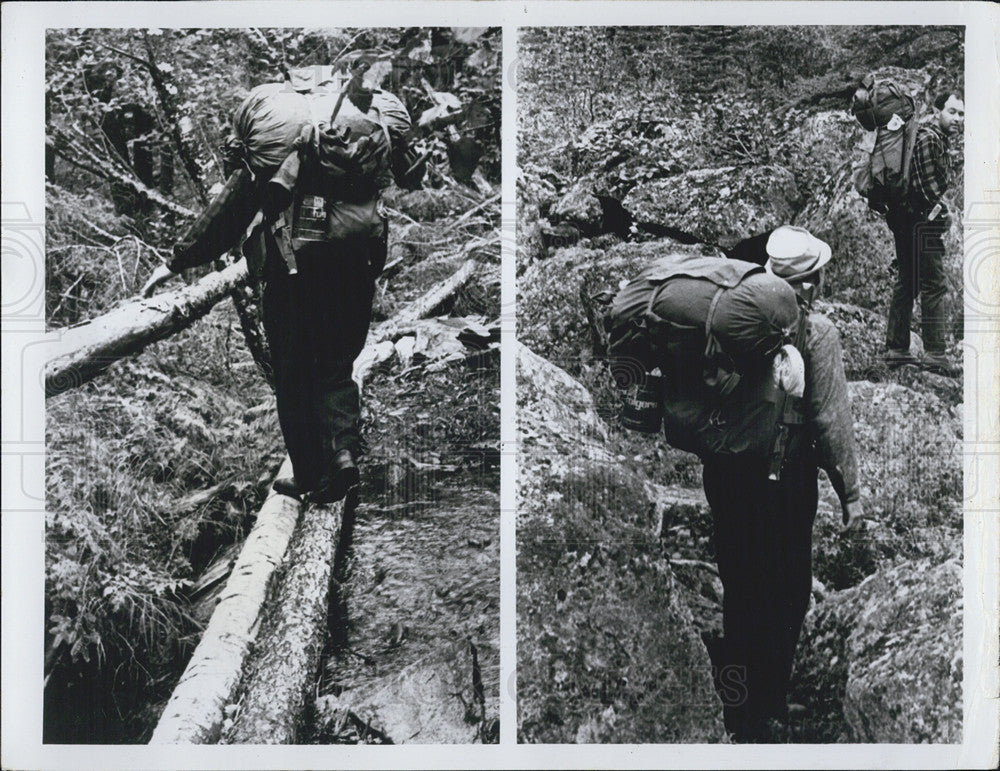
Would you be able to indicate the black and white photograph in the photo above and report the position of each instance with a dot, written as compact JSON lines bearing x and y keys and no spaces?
{"x":272,"y":430}
{"x":500,"y":384}
{"x":740,"y":490}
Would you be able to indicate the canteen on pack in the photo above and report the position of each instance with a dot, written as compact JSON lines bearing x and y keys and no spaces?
{"x":704,"y":319}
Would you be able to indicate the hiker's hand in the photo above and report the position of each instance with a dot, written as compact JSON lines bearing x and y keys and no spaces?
{"x":160,"y":275}
{"x":853,"y":513}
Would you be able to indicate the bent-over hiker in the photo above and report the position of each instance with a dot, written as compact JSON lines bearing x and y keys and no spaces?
{"x":317,"y":255}
{"x":763,"y":528}
{"x":918,"y":223}
{"x":754,"y":384}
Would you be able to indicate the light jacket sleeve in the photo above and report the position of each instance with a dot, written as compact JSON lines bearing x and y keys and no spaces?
{"x":221,"y":226}
{"x":828,"y":408}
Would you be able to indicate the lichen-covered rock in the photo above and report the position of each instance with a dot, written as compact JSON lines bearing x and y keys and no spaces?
{"x":433,"y":701}
{"x":559,"y":236}
{"x":634,"y":147}
{"x":882,"y":662}
{"x":607,"y":647}
{"x":912,"y":499}
{"x":579,"y":206}
{"x":530,"y":246}
{"x":720,"y":206}
{"x":904,"y":682}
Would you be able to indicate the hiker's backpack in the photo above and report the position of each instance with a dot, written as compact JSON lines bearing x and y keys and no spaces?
{"x":712,"y":326}
{"x":320,"y":149}
{"x":882,"y":172}
{"x":709,"y":317}
{"x":344,"y":147}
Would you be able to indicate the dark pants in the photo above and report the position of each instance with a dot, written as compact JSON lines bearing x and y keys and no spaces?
{"x":763,"y":544}
{"x":920,"y":272}
{"x":316,"y":324}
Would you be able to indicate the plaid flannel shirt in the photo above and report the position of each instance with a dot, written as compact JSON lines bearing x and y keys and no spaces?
{"x":929,"y":169}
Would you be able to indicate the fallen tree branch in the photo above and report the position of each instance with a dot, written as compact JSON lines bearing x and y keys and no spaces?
{"x":473,"y":210}
{"x":87,"y":350}
{"x":429,"y":302}
{"x":71,"y":152}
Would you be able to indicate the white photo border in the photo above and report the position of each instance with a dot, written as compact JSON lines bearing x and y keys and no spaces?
{"x":24,"y":344}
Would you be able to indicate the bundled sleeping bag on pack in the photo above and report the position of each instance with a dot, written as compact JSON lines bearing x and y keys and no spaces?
{"x":703,"y":317}
{"x":712,"y":326}
{"x":345,"y":137}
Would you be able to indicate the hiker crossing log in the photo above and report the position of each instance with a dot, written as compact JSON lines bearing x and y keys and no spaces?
{"x":85,"y":351}
{"x":272,"y":689}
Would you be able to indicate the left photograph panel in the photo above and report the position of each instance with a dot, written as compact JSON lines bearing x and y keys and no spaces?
{"x":272,"y":429}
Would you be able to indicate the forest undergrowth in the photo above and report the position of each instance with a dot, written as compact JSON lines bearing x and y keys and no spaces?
{"x":158,"y":466}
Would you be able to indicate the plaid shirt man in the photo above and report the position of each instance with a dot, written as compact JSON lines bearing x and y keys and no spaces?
{"x":930,"y":168}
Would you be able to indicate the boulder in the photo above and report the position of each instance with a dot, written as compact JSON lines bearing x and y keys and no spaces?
{"x":882,"y":662}
{"x":634,"y":147}
{"x":437,"y":700}
{"x":530,"y":244}
{"x":558,"y":236}
{"x":580,"y":207}
{"x":912,"y":497}
{"x":862,"y":338}
{"x":717,"y":206}
{"x":607,"y":648}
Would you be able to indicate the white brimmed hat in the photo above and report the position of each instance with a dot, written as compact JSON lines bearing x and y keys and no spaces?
{"x":794,"y":252}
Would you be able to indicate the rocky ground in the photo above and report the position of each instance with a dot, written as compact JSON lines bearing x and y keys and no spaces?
{"x":616,"y":579}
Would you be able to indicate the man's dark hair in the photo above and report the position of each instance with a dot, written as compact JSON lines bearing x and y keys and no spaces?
{"x":942,"y":98}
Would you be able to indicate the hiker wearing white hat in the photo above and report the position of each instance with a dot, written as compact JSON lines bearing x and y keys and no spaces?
{"x":795,"y":254}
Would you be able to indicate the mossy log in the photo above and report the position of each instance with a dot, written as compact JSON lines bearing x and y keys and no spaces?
{"x":282,"y":670}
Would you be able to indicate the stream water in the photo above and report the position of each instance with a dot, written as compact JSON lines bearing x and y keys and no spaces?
{"x":420,"y":600}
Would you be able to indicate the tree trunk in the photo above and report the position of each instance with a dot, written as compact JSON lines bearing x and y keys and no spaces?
{"x":282,"y":670}
{"x":87,"y":350}
{"x":194,"y":713}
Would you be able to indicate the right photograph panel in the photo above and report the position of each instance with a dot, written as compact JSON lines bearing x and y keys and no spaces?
{"x":740,"y":322}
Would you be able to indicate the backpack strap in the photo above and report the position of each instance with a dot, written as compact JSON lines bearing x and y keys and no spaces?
{"x":724,"y":380}
{"x":911,"y":141}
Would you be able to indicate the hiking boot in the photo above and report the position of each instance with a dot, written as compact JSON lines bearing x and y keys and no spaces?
{"x":288,"y":486}
{"x":894,"y":358}
{"x":938,"y":364}
{"x":342,"y":476}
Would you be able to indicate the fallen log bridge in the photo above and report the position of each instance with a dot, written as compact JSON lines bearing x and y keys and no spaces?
{"x":250,"y":677}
